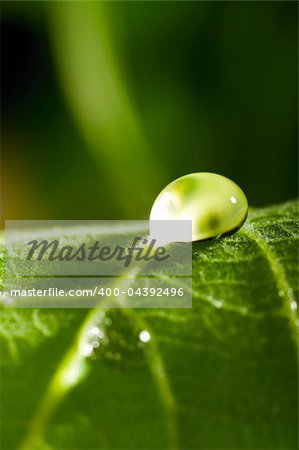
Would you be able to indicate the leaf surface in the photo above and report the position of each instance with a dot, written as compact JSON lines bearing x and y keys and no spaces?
{"x":222,"y":375}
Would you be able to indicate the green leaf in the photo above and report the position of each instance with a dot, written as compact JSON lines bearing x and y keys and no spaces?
{"x":222,"y":375}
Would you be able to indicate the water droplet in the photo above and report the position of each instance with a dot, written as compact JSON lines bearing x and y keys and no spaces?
{"x":244,"y":310}
{"x":215,"y":204}
{"x":294,"y":305}
{"x":87,"y":349}
{"x":120,"y":344}
{"x":218,"y":303}
{"x":144,"y":336}
{"x":96,"y":332}
{"x":290,"y":293}
{"x":95,"y":344}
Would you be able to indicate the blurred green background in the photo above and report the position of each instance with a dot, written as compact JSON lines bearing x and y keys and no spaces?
{"x":104,"y":103}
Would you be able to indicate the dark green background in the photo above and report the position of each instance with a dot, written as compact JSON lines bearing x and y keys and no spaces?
{"x":213,"y":86}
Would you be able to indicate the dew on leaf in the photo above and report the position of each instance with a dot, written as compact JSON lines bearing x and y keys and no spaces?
{"x":294,"y":305}
{"x":144,"y":336}
{"x":215,"y":204}
{"x":95,"y":331}
{"x":218,"y":303}
{"x":87,"y":349}
{"x":118,"y":342}
{"x":95,"y":344}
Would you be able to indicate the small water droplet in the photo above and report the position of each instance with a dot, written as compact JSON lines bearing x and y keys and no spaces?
{"x":95,"y":344}
{"x":290,"y":293}
{"x":218,"y":303}
{"x":87,"y":349}
{"x":281,"y":293}
{"x":294,"y":305}
{"x":144,"y":336}
{"x":215,"y":204}
{"x":108,"y":321}
{"x":95,"y":331}
{"x":120,"y":344}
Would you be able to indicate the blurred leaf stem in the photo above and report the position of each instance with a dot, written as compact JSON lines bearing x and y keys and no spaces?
{"x":95,"y":88}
